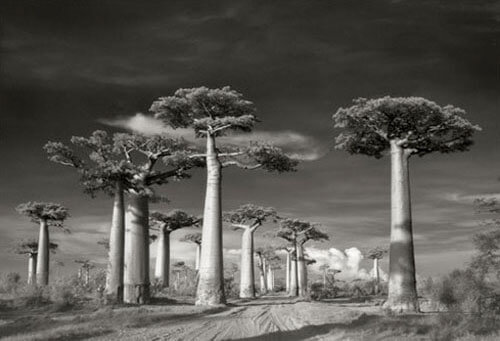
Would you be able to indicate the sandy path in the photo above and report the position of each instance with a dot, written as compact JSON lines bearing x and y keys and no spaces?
{"x":271,"y":318}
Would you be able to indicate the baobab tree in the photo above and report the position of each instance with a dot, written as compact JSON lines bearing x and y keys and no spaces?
{"x":248,"y":218}
{"x":376,"y":254}
{"x":288,"y":265}
{"x":273,"y":263}
{"x":324,"y":269}
{"x":30,"y":248}
{"x":405,"y":126}
{"x":213,"y":113}
{"x":46,"y":214}
{"x":261,"y":264}
{"x":128,"y":163}
{"x":194,"y":238}
{"x":164,"y":225}
{"x":298,"y":232}
{"x":85,"y":267}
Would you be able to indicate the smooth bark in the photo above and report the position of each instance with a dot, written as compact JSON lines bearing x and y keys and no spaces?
{"x":262,"y":275}
{"x":247,"y":279}
{"x":269,"y":279}
{"x":294,"y":279}
{"x":42,"y":264}
{"x":136,"y":274}
{"x":287,"y":274}
{"x":376,"y":274}
{"x":198,"y":256}
{"x":162,"y":268}
{"x":210,"y":289}
{"x":114,"y":275}
{"x":301,"y":271}
{"x":32,"y":268}
{"x":402,"y":295}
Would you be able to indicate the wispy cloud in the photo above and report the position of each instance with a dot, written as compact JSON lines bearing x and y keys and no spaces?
{"x":296,"y":145}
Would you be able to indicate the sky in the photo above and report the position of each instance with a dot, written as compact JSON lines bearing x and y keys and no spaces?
{"x":71,"y":67}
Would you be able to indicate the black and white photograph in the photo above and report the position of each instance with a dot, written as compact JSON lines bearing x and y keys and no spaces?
{"x":250,"y":170}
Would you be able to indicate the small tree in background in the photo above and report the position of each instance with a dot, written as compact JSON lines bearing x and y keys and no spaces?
{"x":47,"y":215}
{"x":165,"y":224}
{"x":30,"y":248}
{"x":298,"y":232}
{"x":288,"y":265}
{"x":212,"y":113}
{"x":376,"y":254}
{"x":248,"y":218}
{"x":260,"y":253}
{"x":405,"y":127}
{"x":324,"y":269}
{"x":194,"y":238}
{"x":85,"y":267}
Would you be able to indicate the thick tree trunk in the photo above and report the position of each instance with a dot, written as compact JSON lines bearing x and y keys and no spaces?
{"x":301,"y":271}
{"x":269,"y":279}
{"x":376,"y":275}
{"x":402,"y":285}
{"x":262,"y":276}
{"x":287,"y":274}
{"x":42,"y":264}
{"x":198,"y":256}
{"x":294,"y":280}
{"x":114,"y":275}
{"x":247,"y":279}
{"x":162,"y":268}
{"x":136,"y":275}
{"x":32,"y":269}
{"x":210,"y":289}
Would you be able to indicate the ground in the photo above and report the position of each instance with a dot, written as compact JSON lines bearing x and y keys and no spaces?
{"x":267,"y":318}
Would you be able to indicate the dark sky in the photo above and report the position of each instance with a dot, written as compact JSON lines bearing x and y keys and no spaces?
{"x":67,"y":66}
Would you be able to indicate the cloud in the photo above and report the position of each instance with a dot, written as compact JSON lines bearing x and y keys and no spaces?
{"x":296,"y":145}
{"x":348,"y":262}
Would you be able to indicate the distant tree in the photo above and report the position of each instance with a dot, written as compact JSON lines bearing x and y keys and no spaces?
{"x":288,"y":265}
{"x":248,"y":218}
{"x":85,"y":267}
{"x":196,"y":239}
{"x":47,"y":215}
{"x":376,"y":254}
{"x":213,"y":113}
{"x":165,"y":224}
{"x":30,"y":248}
{"x":404,"y":126}
{"x":127,"y":163}
{"x":324,"y":269}
{"x":298,"y":232}
{"x":260,"y":253}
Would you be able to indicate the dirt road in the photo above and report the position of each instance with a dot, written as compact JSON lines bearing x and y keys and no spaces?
{"x":269,"y":318}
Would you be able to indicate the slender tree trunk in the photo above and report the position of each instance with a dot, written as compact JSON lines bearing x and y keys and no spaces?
{"x":301,"y":271}
{"x":198,"y":256}
{"x":162,"y":269}
{"x":80,"y":275}
{"x":247,"y":279}
{"x":42,"y":264}
{"x":272,"y":277}
{"x":269,"y":278}
{"x":136,"y":275}
{"x":262,"y":276}
{"x":402,"y":285}
{"x":114,"y":275}
{"x":87,"y":276}
{"x":287,"y":274}
{"x":32,"y":268}
{"x":376,"y":275}
{"x":324,"y":279}
{"x":210,"y":289}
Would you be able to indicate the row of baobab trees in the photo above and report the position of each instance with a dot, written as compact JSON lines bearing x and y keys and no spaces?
{"x":130,"y":164}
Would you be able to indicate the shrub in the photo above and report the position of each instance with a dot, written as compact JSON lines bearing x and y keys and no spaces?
{"x":10,"y":282}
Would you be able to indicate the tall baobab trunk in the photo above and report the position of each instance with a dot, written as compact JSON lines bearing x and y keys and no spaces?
{"x":198,"y":256}
{"x":324,"y":279}
{"x":32,"y":268}
{"x":162,"y":268}
{"x":114,"y":275}
{"x":269,"y":278}
{"x":294,"y":279}
{"x":42,"y":264}
{"x":376,"y":274}
{"x":272,"y":278}
{"x":247,"y":279}
{"x":262,"y":275}
{"x":210,"y":289}
{"x":287,"y":276}
{"x":301,"y":271}
{"x":136,"y":274}
{"x":87,"y":276}
{"x":402,"y":288}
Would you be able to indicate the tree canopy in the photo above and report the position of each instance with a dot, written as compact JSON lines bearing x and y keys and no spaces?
{"x":192,"y":238}
{"x":51,"y":213}
{"x":250,"y":215}
{"x":131,"y":158}
{"x":216,"y":112}
{"x":173,"y":220}
{"x":295,"y":230}
{"x":376,"y":253}
{"x":30,"y":246}
{"x":414,"y":123}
